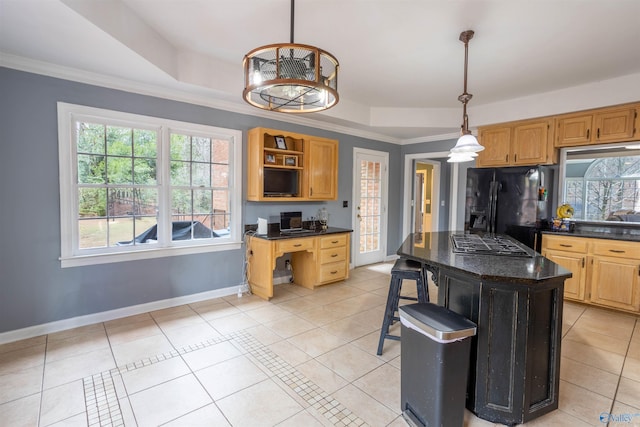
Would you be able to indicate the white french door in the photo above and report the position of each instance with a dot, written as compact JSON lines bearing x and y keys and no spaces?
{"x":370,"y":179}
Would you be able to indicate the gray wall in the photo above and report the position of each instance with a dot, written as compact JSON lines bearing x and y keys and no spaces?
{"x":34,"y":289}
{"x":445,"y":179}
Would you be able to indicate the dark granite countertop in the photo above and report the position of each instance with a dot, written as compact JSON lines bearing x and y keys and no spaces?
{"x":602,"y":230}
{"x":437,"y":249}
{"x":275,"y":234}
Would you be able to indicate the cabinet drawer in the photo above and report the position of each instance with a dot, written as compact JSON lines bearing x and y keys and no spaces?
{"x":616,"y":249}
{"x":332,"y":272}
{"x":333,"y":254}
{"x":293,"y":245}
{"x":565,"y":243}
{"x":333,"y":241}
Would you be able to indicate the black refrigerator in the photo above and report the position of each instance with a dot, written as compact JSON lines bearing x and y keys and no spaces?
{"x":515,"y":201}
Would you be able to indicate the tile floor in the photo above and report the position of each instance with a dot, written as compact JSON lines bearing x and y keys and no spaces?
{"x":305,"y":358}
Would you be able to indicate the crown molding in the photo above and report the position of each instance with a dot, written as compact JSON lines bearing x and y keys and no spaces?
{"x":211,"y":100}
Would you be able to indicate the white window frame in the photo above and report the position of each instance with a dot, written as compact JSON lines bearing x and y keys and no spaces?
{"x":72,"y":255}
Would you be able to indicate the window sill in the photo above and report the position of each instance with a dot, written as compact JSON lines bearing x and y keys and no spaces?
{"x":84,"y":260}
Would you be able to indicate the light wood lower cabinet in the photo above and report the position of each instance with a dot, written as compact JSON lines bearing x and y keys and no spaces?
{"x":574,"y":288}
{"x":315,"y":260}
{"x":605,"y":272}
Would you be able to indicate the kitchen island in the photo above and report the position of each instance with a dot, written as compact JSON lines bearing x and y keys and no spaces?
{"x":516,"y":302}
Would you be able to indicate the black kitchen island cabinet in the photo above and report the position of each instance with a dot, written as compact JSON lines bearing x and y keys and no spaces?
{"x":516,"y":302}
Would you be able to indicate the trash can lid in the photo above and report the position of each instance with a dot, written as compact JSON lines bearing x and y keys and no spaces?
{"x":436,"y":322}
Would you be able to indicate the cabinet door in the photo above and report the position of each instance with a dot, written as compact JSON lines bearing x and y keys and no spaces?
{"x":614,"y":282}
{"x":254,"y":165}
{"x":497,"y":144}
{"x":574,"y":288}
{"x":574,"y":130}
{"x":531,"y":143}
{"x":615,"y":125}
{"x":322,"y":169}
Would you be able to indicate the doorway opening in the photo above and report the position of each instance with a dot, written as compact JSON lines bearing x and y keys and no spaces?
{"x":442,"y":217}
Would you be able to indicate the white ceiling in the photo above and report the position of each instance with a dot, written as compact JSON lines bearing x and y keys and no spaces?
{"x":401,"y":63}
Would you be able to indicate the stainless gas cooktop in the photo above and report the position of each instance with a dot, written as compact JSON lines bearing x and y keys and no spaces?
{"x":486,"y":245}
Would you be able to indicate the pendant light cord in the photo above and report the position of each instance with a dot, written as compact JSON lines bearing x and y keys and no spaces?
{"x":292,"y":18}
{"x":465,"y":36}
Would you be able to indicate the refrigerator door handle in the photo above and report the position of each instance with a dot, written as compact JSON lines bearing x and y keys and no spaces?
{"x":493,"y":202}
{"x":491,"y":218}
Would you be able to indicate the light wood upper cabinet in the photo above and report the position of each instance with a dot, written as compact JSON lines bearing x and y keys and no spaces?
{"x":321,"y":169}
{"x":308,"y":163}
{"x":532,"y":143}
{"x":528,"y":142}
{"x":574,"y":130}
{"x":497,"y":146}
{"x":615,"y":124}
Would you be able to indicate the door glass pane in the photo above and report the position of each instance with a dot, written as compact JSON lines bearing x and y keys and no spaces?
{"x":370,"y":203}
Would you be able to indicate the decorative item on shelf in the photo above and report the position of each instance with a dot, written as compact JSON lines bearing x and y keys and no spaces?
{"x":467,"y":147}
{"x":290,"y":160}
{"x":323,"y":218}
{"x":281,"y":142}
{"x":290,"y":77}
{"x":269,"y":159}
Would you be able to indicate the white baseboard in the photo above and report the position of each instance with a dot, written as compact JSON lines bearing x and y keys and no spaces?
{"x":74,"y":322}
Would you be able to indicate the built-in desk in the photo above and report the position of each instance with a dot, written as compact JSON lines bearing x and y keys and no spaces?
{"x":317,"y":258}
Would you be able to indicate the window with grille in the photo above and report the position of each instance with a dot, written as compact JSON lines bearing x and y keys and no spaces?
{"x":138,"y":187}
{"x":609,"y":187}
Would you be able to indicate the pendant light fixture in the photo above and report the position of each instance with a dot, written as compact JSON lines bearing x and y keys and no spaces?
{"x":467,"y":146}
{"x":290,"y":77}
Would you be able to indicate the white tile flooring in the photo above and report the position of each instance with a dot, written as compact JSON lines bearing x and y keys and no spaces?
{"x":305,"y":358}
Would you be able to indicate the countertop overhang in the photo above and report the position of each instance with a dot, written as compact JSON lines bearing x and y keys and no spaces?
{"x":275,"y":234}
{"x":436,"y":249}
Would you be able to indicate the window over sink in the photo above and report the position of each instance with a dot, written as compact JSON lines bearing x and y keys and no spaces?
{"x":602,"y":183}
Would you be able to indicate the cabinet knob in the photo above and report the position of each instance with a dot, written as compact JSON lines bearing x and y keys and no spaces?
{"x":297,"y":245}
{"x":616,"y":251}
{"x":565,"y":245}
{"x":334,"y":255}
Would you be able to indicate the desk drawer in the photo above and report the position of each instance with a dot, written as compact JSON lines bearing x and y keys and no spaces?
{"x":333,"y":241}
{"x":333,"y":254}
{"x":294,"y":245}
{"x":332,"y":272}
{"x":616,"y":248}
{"x":564,"y":243}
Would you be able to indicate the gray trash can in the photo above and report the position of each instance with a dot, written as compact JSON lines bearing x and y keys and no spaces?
{"x":435,"y":364}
